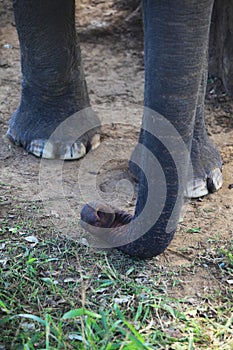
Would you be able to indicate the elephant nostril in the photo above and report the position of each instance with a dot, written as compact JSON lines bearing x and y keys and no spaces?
{"x":100,"y":215}
{"x":106,"y":219}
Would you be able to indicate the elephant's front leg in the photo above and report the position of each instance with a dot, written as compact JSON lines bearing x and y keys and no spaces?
{"x":53,"y":83}
{"x":176,"y":38}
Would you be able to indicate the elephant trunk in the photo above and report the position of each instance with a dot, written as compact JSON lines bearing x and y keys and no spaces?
{"x":176,"y":39}
{"x":151,"y":229}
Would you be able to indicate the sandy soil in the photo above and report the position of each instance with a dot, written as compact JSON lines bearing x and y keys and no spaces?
{"x":111,"y":41}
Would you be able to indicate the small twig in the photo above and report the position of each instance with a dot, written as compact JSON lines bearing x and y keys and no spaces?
{"x":134,"y":13}
{"x":179,"y":254}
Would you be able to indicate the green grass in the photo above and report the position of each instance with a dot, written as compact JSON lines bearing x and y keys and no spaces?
{"x":57,"y":294}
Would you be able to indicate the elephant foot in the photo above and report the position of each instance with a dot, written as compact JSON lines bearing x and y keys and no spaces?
{"x":207,"y":169}
{"x":51,"y":135}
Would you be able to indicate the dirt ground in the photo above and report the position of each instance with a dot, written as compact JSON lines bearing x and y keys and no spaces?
{"x":111,"y":42}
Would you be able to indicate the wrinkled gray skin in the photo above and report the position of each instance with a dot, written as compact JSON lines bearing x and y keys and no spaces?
{"x":53,"y":87}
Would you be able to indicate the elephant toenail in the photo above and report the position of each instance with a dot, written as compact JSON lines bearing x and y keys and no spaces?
{"x":95,"y":141}
{"x":215,"y":180}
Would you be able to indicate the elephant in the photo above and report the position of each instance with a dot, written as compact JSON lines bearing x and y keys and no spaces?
{"x":53,"y":87}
